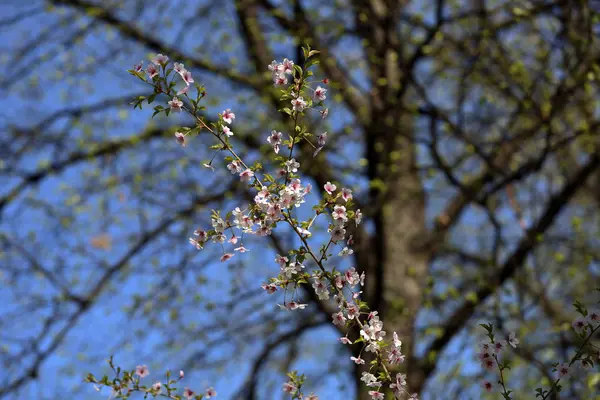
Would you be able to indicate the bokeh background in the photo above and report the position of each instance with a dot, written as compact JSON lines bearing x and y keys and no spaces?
{"x":468,"y":130}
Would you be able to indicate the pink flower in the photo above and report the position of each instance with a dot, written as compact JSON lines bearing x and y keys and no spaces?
{"x":241,"y":249}
{"x":594,"y":317}
{"x":488,"y":386}
{"x":345,"y":340}
{"x":512,"y":340}
{"x":311,"y":397}
{"x":288,"y":66}
{"x":357,"y":360}
{"x":338,"y":318}
{"x":142,"y":371}
{"x":246,"y":175}
{"x":562,"y":370}
{"x":156,"y":387}
{"x":580,"y":325}
{"x":152,"y":71}
{"x":234,"y":167}
{"x":375,"y":395}
{"x":320,"y":93}
{"x":228,"y":132}
{"x":180,"y":138}
{"x":329,"y":187}
{"x":289,"y":387}
{"x":228,"y":116}
{"x":181,"y":374}
{"x":179,"y":68}
{"x":138,"y":67}
{"x":346,"y":194}
{"x":324,"y":113}
{"x":183,"y":91}
{"x":175,"y":104}
{"x":188,"y":393}
{"x":298,"y":104}
{"x":269,"y":288}
{"x":499,"y":346}
{"x":275,"y":140}
{"x":187,"y":77}
{"x":339,"y":213}
{"x":210,"y":392}
{"x":160,"y":60}
{"x":226,"y":257}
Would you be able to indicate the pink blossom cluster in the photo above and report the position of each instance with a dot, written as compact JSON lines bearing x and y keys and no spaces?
{"x":278,"y":195}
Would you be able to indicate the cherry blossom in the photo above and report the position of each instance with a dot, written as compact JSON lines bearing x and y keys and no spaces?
{"x":562,"y":370}
{"x":488,"y":386}
{"x":187,"y":77}
{"x":345,"y":340}
{"x":179,"y":68}
{"x":346,"y":194}
{"x":210,"y":392}
{"x":176,"y":104}
{"x":142,"y":371}
{"x":180,"y":138}
{"x":580,"y":325}
{"x":320,"y":93}
{"x":358,"y":217}
{"x":338,"y":318}
{"x":321,"y":139}
{"x":188,"y":393}
{"x":151,"y":70}
{"x":228,"y":116}
{"x":160,"y":60}
{"x":298,"y":104}
{"x":269,"y":288}
{"x":288,"y":66}
{"x":339,"y":213}
{"x":289,"y":387}
{"x":234,"y":167}
{"x":226,"y":256}
{"x":512,"y":340}
{"x":357,"y":360}
{"x":275,"y":140}
{"x":228,"y":132}
{"x":246,"y":175}
{"x":329,"y":188}
{"x":292,"y":165}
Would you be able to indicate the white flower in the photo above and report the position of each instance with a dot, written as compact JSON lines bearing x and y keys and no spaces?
{"x":175,"y":104}
{"x":320,"y":93}
{"x":512,"y":340}
{"x":292,"y":165}
{"x":298,"y":104}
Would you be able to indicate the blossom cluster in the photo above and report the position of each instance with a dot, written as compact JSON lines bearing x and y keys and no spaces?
{"x":125,"y":383}
{"x":584,"y":326}
{"x":277,"y":196}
